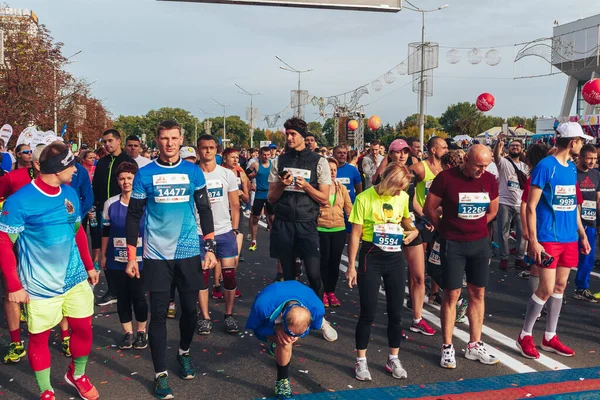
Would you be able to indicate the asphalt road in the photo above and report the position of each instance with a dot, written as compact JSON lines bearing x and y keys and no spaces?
{"x":238,"y":367}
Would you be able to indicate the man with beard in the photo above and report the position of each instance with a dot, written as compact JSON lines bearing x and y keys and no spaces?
{"x":509,"y":169}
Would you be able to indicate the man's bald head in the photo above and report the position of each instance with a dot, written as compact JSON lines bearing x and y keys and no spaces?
{"x":476,"y":160}
{"x":298,"y":320}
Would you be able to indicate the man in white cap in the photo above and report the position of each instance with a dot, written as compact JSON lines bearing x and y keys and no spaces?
{"x":554,"y":226}
{"x":188,"y":153}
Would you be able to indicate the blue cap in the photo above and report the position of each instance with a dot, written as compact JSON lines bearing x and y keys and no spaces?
{"x":273,"y":146}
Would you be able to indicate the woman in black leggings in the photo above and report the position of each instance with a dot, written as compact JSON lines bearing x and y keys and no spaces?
{"x":332,"y":235}
{"x":380,"y":217}
{"x":113,"y":259}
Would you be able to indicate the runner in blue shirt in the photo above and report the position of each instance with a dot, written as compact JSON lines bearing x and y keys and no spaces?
{"x":165,"y":193}
{"x":347,"y":174}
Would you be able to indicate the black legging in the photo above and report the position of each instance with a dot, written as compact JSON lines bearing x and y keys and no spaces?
{"x":374,"y":264}
{"x":95,"y":231}
{"x":332,"y":246}
{"x":312,"y":267}
{"x":130,"y":293}
{"x":157,"y":331}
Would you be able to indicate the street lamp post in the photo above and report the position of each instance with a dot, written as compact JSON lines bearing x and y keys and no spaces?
{"x":224,"y":122}
{"x":292,"y":69}
{"x":422,"y":73}
{"x":56,"y":93}
{"x":244,"y":91}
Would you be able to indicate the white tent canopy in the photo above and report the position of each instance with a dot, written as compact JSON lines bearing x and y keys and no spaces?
{"x":460,"y":138}
{"x":512,"y":132}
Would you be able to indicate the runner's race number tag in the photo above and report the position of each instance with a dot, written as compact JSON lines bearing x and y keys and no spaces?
{"x":297,"y":172}
{"x":513,"y":183}
{"x":120,"y":247}
{"x":427,"y":186}
{"x":434,"y":255}
{"x":472,"y":205}
{"x":171,"y":188}
{"x":343,"y":181}
{"x":565,"y":198}
{"x":588,"y":210}
{"x":215,"y":190}
{"x":388,"y":237}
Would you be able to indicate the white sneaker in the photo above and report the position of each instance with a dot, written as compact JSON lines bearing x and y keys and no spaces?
{"x":479,"y":353}
{"x":361,"y":371}
{"x":328,"y":332}
{"x":448,"y":357}
{"x":395,"y":367}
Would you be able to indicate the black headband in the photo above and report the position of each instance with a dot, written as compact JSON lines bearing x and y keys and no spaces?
{"x":300,"y":128}
{"x":58,"y":163}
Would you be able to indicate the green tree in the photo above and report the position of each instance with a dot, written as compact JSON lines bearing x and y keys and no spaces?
{"x":259,"y":135}
{"x":236,"y":131}
{"x":328,"y":129}
{"x":461,"y":118}
{"x":316,"y":128}
{"x":431,"y":122}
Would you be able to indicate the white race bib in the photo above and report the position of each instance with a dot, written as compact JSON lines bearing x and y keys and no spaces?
{"x":472,"y":205}
{"x":343,"y":181}
{"x":434,"y":255}
{"x":388,"y":237}
{"x":215,"y":190}
{"x":171,"y":188}
{"x":297,"y":172}
{"x":427,"y":186}
{"x":513,"y":183}
{"x":120,"y":248}
{"x":588,"y":210}
{"x":565,"y":198}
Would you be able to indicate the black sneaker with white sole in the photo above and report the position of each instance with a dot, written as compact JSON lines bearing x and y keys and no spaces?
{"x":141,"y":341}
{"x":231,"y":325}
{"x":585,"y":295}
{"x":107,"y":299}
{"x":127,"y":341}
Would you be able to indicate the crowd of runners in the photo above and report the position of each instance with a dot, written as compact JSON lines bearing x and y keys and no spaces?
{"x":425,"y":224}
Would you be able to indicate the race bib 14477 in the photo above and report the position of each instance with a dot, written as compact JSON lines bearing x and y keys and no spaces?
{"x":171,"y":188}
{"x":565,"y":198}
{"x":588,"y":210}
{"x":472,"y":205}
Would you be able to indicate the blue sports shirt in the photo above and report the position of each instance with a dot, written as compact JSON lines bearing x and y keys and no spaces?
{"x":113,"y":217}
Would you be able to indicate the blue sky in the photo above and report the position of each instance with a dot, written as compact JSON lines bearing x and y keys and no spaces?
{"x":145,"y":54}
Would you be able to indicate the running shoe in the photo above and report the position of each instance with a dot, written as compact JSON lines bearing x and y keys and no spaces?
{"x":395,"y":367}
{"x":231,"y":325}
{"x":271,"y":346}
{"x":448,"y":357}
{"x":520,"y":264}
{"x":252,"y":246}
{"x":241,"y":258}
{"x":333,"y":300}
{"x":504,"y":265}
{"x":422,"y":327}
{"x":283,"y":389}
{"x":328,"y":332}
{"x":249,"y":237}
{"x":554,"y":345}
{"x":217,"y":293}
{"x":237,"y":293}
{"x":325,"y":300}
{"x":186,"y":368}
{"x":66,"y":347}
{"x":403,"y":335}
{"x":162,"y":390}
{"x":527,"y":347}
{"x":127,"y":341}
{"x":16,"y":350}
{"x":107,"y":300}
{"x":246,"y":213}
{"x":597,"y":295}
{"x":361,"y":371}
{"x":47,"y":395}
{"x":480,"y":353}
{"x":204,"y":326}
{"x":524,"y":274}
{"x":298,"y":268}
{"x":141,"y":341}
{"x":23,"y":315}
{"x":172,"y":310}
{"x":409,"y":303}
{"x":83,"y":385}
{"x":585,"y":295}
{"x":435,"y":299}
{"x":495,"y":246}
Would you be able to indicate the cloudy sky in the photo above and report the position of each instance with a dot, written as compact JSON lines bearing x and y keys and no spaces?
{"x":146,"y":54}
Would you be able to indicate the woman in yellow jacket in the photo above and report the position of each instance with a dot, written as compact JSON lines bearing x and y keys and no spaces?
{"x":332,"y":235}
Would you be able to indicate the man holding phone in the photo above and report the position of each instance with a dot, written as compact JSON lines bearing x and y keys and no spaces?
{"x":555,"y":226}
{"x":298,"y":184}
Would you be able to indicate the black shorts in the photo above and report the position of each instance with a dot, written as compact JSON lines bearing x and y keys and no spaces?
{"x":417,"y":242}
{"x":298,"y":238}
{"x":426,"y":236}
{"x":258,"y":205}
{"x":185,"y":273}
{"x":456,"y":258}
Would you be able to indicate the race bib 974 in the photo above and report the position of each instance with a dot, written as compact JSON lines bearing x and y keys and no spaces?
{"x":171,"y":188}
{"x":215,"y":190}
{"x":472,"y":205}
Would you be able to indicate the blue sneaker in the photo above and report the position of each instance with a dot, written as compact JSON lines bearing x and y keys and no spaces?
{"x":162,"y":390}
{"x":495,"y":246}
{"x":186,"y":369}
{"x":283,"y":389}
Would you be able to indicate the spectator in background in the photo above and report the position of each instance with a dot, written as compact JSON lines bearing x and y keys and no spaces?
{"x":352,"y":158}
{"x":133,"y":147}
{"x":311,"y":142}
{"x":415,"y":147}
{"x":370,"y":163}
{"x":273,"y":148}
{"x":23,"y":153}
{"x":7,"y":159}
{"x":88,"y":160}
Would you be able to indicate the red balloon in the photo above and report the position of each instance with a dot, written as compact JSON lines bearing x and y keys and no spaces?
{"x":374,"y":123}
{"x":485,"y":102}
{"x":352,"y":125}
{"x":591,"y":92}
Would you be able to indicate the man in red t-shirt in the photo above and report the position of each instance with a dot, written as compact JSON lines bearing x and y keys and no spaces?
{"x":468,"y":196}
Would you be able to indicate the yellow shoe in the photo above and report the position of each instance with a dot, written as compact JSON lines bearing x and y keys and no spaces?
{"x":66,"y":347}
{"x":597,"y":295}
{"x":172,"y":311}
{"x":252,"y":246}
{"x":16,"y":350}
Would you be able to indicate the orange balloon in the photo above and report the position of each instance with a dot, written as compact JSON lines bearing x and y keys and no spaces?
{"x":352,"y":125}
{"x":374,"y":123}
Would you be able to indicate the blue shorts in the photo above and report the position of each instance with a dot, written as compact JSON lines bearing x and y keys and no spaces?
{"x":226,"y":246}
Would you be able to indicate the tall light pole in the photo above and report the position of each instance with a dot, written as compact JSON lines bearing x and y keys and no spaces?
{"x":422,"y":73}
{"x":247,"y":93}
{"x":207,"y":123}
{"x":56,"y":93}
{"x":292,"y":69}
{"x":224,"y":122}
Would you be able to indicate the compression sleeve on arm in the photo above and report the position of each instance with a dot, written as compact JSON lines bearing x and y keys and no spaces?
{"x":8,"y":263}
{"x":135,"y":211}
{"x":206,"y":217}
{"x":84,"y":251}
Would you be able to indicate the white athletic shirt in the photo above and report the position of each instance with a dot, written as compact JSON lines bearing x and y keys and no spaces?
{"x":219,"y":183}
{"x":142,"y":161}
